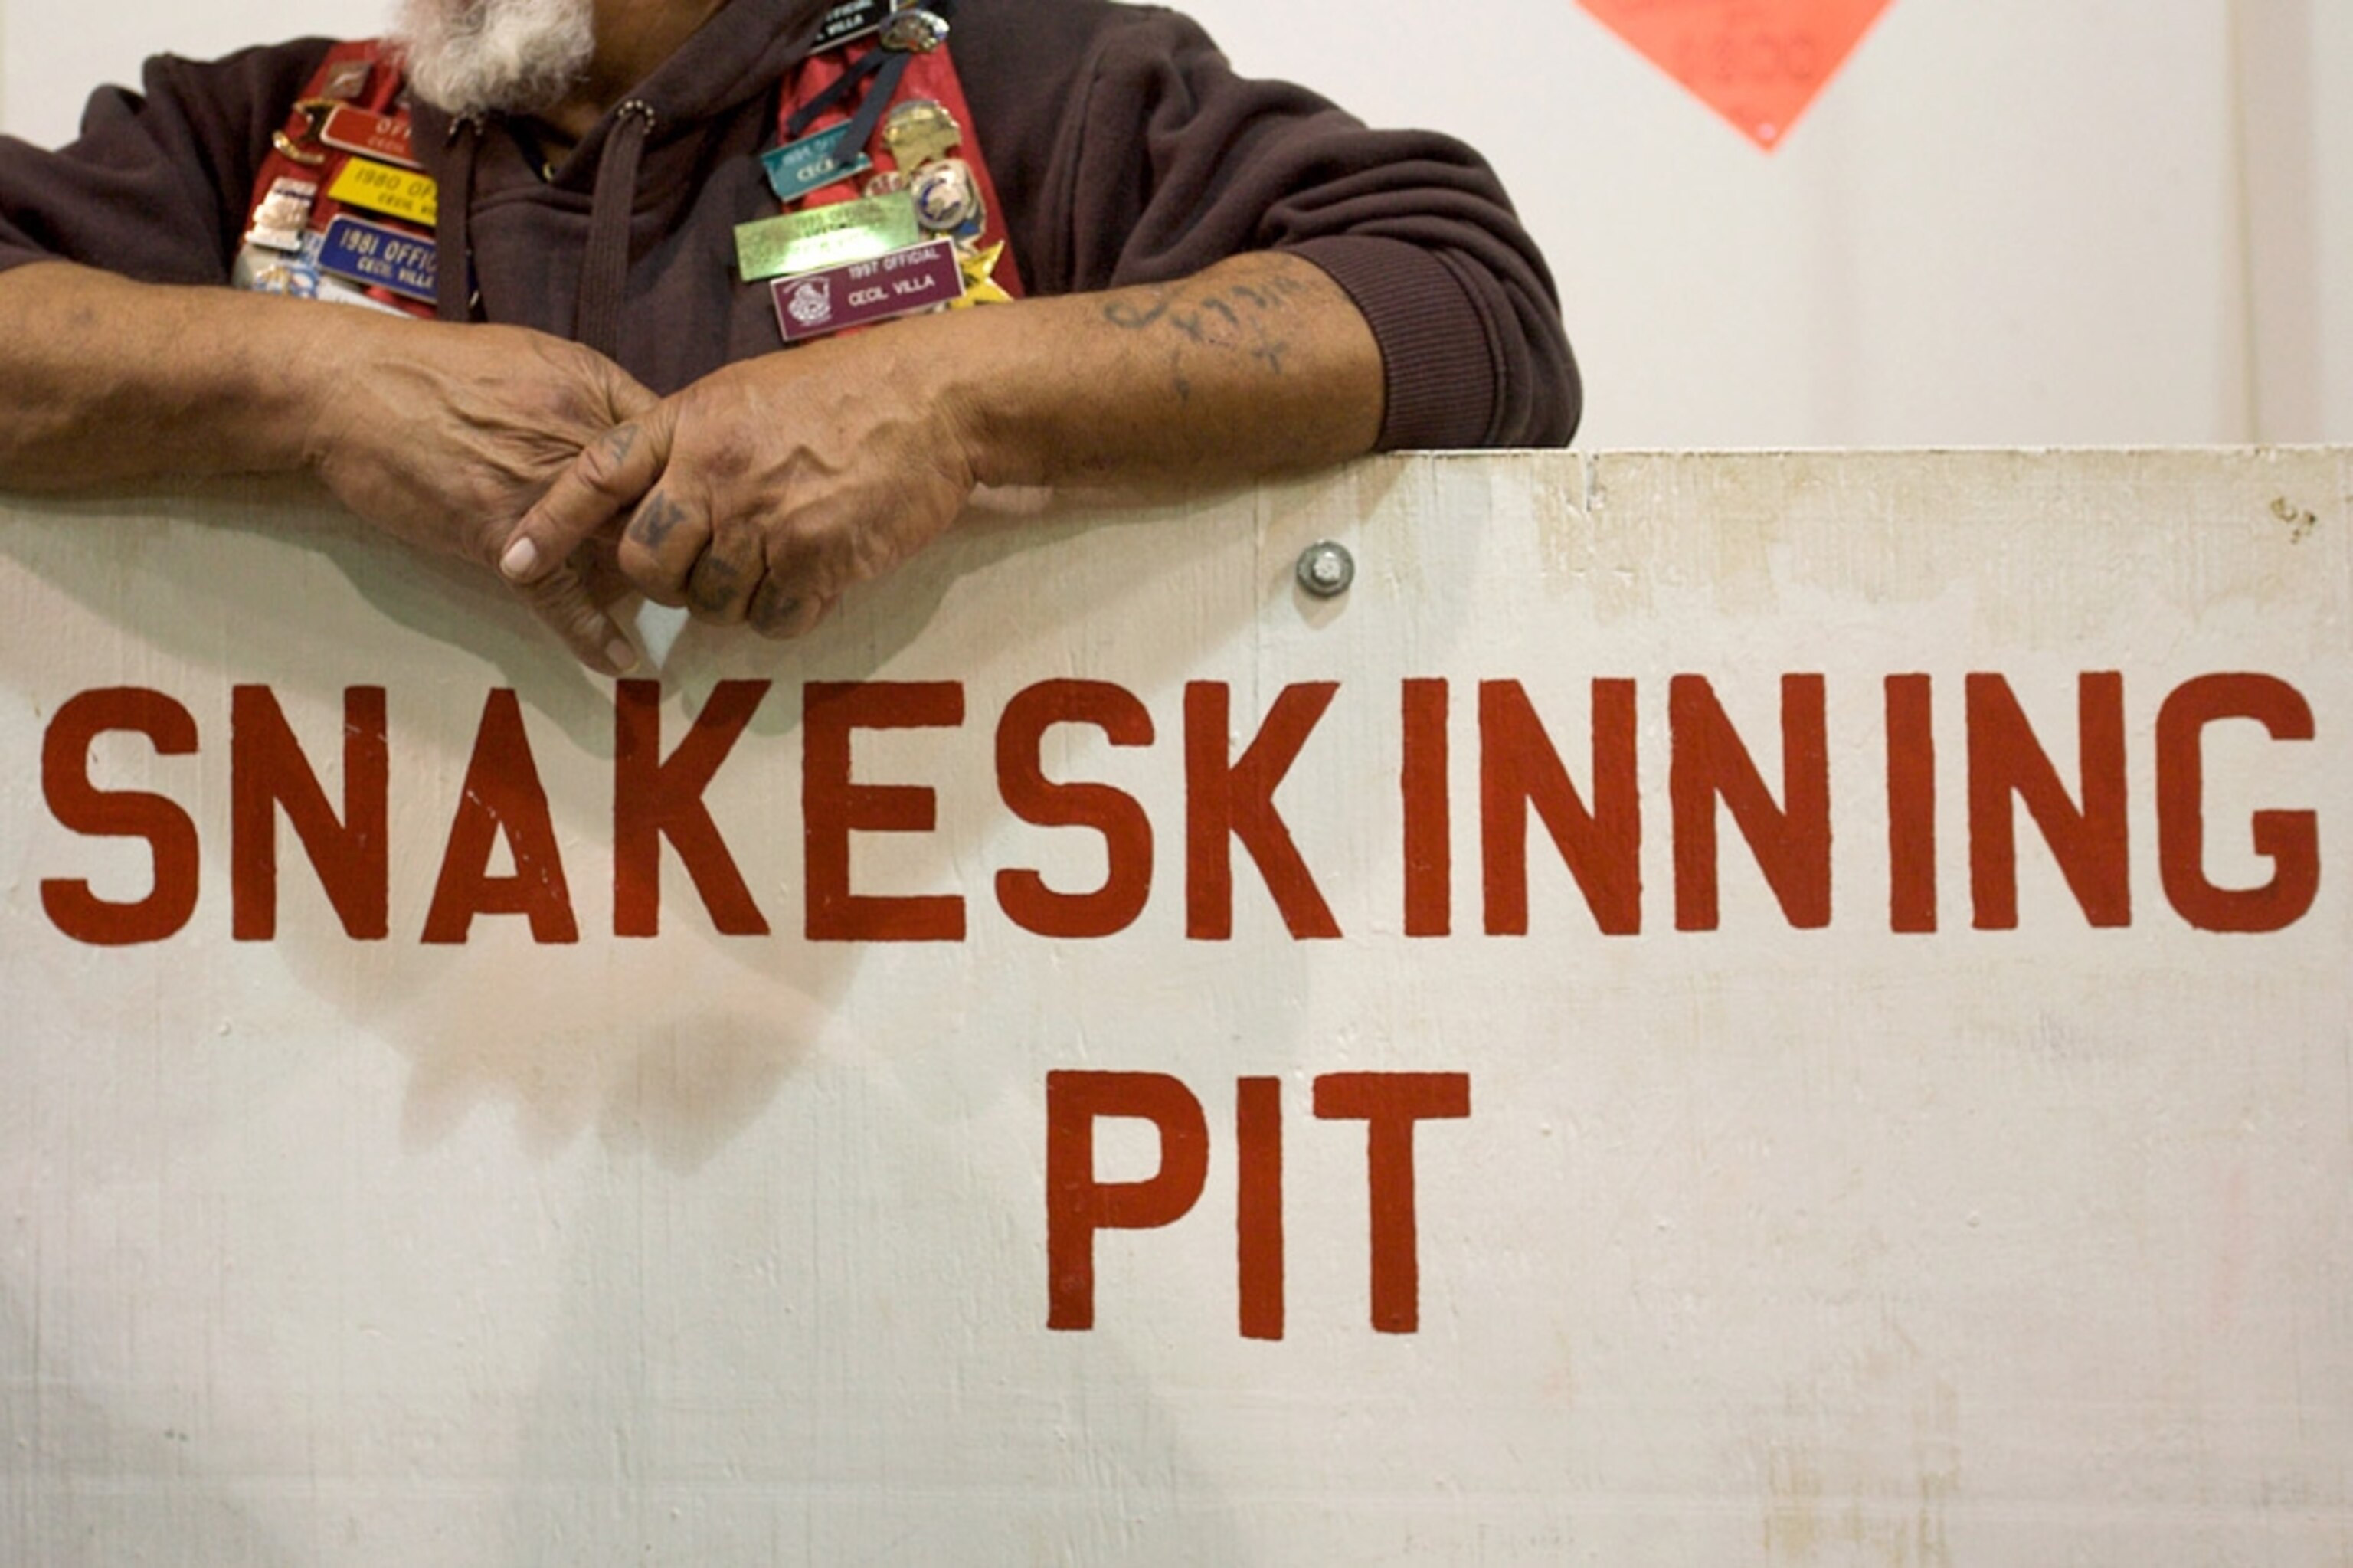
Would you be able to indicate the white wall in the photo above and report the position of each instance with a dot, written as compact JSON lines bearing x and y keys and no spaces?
{"x":52,"y":55}
{"x":2007,"y":222}
{"x":2327,"y":79}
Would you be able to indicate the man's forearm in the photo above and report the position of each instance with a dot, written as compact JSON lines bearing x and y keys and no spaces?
{"x":439,"y":435}
{"x":1259,"y":364}
{"x":103,"y":380}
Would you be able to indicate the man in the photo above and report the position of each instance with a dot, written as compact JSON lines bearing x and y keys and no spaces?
{"x":1226,"y":278}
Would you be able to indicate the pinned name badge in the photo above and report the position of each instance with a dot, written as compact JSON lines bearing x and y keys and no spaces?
{"x":283,"y":215}
{"x":948,"y":198}
{"x":378,"y":255}
{"x":919,"y":132}
{"x":860,"y":293}
{"x":346,"y":80}
{"x":812,"y":163}
{"x":848,"y":23}
{"x":829,"y":236}
{"x":914,"y":31}
{"x":377,"y":136}
{"x":260,"y":271}
{"x":379,"y":187}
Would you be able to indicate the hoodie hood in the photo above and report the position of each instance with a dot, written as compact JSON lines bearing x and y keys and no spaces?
{"x":736,"y":57}
{"x":634,"y":227}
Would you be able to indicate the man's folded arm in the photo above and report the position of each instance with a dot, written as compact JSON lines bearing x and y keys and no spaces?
{"x":1157,"y":159}
{"x":765,"y":491}
{"x":104,"y":380}
{"x":441,"y":436}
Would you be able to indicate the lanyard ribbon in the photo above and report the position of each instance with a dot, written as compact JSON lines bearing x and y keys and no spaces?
{"x":887,"y":67}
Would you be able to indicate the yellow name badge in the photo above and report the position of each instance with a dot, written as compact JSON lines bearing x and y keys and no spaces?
{"x":380,"y":188}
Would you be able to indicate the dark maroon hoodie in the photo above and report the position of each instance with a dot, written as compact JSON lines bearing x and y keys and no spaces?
{"x":1122,"y":145}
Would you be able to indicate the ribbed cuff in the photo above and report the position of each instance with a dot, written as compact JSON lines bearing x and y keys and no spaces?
{"x":1436,"y":361}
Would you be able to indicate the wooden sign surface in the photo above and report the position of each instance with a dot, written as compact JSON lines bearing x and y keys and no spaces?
{"x":1710,"y":1009}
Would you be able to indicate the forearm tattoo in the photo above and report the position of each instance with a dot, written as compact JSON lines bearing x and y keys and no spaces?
{"x":1220,"y":317}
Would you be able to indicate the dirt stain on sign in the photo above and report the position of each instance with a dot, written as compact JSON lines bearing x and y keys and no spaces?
{"x":2300,"y":522}
{"x":1876,"y":1486}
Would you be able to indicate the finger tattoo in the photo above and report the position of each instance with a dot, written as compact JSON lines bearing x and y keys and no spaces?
{"x":657,"y":520}
{"x":773,"y":606}
{"x":711,"y":586}
{"x":619,"y":443}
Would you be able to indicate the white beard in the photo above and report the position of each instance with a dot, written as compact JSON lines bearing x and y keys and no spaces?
{"x":477,"y":56}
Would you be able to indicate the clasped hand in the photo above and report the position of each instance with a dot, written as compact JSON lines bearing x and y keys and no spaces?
{"x":760,"y":493}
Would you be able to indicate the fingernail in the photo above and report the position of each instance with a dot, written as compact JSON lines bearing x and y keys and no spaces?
{"x":624,"y":657}
{"x":521,"y":557}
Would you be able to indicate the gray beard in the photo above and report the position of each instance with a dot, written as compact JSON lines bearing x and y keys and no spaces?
{"x":480,"y":57}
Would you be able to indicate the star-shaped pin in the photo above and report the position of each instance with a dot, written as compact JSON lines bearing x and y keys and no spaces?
{"x":980,"y":287}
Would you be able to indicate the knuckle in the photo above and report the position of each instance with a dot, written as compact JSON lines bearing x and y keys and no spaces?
{"x":600,"y":463}
{"x":662,"y":524}
{"x":807,"y":554}
{"x":774,"y":609}
{"x":651,"y":575}
{"x":636,"y":563}
{"x":806,"y":616}
{"x":716,"y":586}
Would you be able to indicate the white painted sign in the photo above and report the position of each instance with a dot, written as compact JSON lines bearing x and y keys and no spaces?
{"x":1710,"y":1009}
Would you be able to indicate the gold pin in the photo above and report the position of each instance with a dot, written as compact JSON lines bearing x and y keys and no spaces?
{"x":303,"y":155}
{"x":302,"y":150}
{"x":914,"y":31}
{"x":920,"y":132}
{"x":980,"y":285}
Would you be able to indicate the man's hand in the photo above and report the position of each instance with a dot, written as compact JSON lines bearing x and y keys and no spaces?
{"x":444,"y":436}
{"x":767,"y":489}
{"x":763,"y":491}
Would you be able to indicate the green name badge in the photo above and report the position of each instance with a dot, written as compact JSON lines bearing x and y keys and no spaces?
{"x":832,"y":236}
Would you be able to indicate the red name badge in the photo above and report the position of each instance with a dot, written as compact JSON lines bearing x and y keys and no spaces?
{"x":1759,"y":63}
{"x":377,"y":135}
{"x":863,"y":292}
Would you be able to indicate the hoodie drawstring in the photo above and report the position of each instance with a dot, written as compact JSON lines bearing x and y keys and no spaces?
{"x":453,"y":264}
{"x":604,"y":269}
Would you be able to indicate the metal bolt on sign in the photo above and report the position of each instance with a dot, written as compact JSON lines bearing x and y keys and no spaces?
{"x":1325,"y":569}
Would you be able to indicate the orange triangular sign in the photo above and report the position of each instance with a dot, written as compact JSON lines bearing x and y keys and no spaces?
{"x":1756,"y":62}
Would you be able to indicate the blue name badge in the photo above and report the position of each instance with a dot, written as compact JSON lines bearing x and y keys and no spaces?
{"x":368,"y":252}
{"x":811,"y":164}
